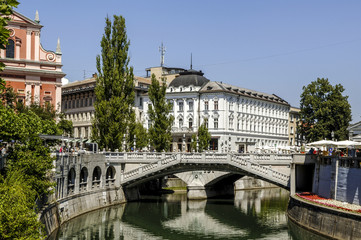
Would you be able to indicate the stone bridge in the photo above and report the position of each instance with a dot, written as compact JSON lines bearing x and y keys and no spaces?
{"x":80,"y":173}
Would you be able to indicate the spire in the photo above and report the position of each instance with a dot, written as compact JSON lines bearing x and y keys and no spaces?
{"x":37,"y":17}
{"x":191,"y":62}
{"x":58,"y":50}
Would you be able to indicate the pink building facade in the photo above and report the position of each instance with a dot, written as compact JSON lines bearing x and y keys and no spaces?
{"x":33,"y":72}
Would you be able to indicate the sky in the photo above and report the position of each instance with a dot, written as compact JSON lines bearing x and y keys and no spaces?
{"x":271,"y":46}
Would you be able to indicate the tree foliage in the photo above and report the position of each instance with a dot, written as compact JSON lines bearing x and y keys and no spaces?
{"x":114,"y":87}
{"x":141,"y":135}
{"x":6,"y":9}
{"x":203,"y":137}
{"x":17,"y":218}
{"x":159,"y":114}
{"x":324,"y":109}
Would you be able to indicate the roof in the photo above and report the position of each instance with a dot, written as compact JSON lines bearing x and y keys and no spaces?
{"x":93,"y":80}
{"x":81,"y":82}
{"x":25,"y":19}
{"x":189,"y":78}
{"x":224,"y":87}
{"x":143,"y":80}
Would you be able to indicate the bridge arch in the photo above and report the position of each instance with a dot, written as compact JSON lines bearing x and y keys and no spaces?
{"x":110,"y":176}
{"x":71,"y":180}
{"x":83,"y":179}
{"x":96,"y":177}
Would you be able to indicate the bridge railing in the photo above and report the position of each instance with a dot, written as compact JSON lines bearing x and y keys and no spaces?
{"x":244,"y":162}
{"x":261,"y":170}
{"x":149,"y":167}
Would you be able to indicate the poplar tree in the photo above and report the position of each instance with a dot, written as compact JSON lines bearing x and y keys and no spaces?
{"x":324,"y":110}
{"x":114,"y":87}
{"x":204,"y":137}
{"x":159,"y":115}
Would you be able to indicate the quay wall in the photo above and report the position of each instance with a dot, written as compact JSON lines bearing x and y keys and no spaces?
{"x":332,"y":223}
{"x":55,"y":214}
{"x":338,"y":178}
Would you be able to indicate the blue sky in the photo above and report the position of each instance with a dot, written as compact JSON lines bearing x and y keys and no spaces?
{"x":271,"y":46}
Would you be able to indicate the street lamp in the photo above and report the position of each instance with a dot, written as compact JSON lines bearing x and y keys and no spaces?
{"x":333,"y":135}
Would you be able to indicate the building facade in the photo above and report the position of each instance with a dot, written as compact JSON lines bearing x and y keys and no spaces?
{"x":34,"y":73}
{"x":238,"y":119}
{"x":168,"y":73}
{"x":78,"y":100}
{"x":295,"y":139}
{"x":355,"y":132}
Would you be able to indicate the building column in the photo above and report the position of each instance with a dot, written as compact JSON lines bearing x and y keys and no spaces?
{"x":184,"y":112}
{"x":58,"y":97}
{"x":37,"y":92}
{"x":27,"y":93}
{"x":37,"y":46}
{"x":196,"y":124}
{"x":28,"y":45}
{"x":293,"y":179}
{"x":17,"y":48}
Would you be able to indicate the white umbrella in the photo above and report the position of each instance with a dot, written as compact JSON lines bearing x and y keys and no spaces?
{"x":347,"y":143}
{"x":322,"y":143}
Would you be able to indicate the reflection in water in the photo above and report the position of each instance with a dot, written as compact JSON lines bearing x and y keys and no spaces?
{"x":254,"y":214}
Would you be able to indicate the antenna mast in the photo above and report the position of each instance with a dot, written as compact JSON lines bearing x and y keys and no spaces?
{"x":191,"y":62}
{"x":162,"y":52}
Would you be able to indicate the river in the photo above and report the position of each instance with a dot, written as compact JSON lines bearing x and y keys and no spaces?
{"x":251,"y":214}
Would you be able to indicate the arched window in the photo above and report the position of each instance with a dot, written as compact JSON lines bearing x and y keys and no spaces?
{"x":10,"y":49}
{"x":180,"y":123}
{"x":190,"y":123}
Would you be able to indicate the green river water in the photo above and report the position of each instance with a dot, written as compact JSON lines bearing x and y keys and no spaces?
{"x":251,"y":214}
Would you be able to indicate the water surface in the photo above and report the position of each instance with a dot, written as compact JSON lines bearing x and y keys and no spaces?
{"x":252,"y":214}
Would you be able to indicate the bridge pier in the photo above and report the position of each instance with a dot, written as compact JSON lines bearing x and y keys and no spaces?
{"x":196,"y":192}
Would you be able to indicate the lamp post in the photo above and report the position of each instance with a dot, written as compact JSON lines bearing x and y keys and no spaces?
{"x":333,"y":135}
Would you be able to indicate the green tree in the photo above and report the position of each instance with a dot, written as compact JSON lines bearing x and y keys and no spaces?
{"x":18,"y":220}
{"x":6,"y":9}
{"x":324,"y":110}
{"x":65,"y":126}
{"x":204,"y":137}
{"x":141,"y":134}
{"x":114,"y":87}
{"x":159,"y":114}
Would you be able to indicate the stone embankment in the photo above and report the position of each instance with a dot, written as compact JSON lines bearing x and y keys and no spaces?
{"x":328,"y":221}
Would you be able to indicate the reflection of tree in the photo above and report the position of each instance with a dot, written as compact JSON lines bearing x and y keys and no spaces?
{"x":174,"y":217}
{"x":261,"y":204}
{"x":195,"y":220}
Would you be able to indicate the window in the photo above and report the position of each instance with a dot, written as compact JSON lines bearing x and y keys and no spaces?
{"x":191,"y":106}
{"x":140,"y":102}
{"x":206,"y":105}
{"x":180,"y":106}
{"x":215,"y":105}
{"x":180,"y":122}
{"x":10,"y":49}
{"x":231,"y":106}
{"x":292,"y":130}
{"x":215,"y":123}
{"x":47,"y":93}
{"x":90,"y":101}
{"x":190,"y":123}
{"x":230,"y":122}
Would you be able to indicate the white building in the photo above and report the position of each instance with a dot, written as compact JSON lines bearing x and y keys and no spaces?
{"x":239,"y":120}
